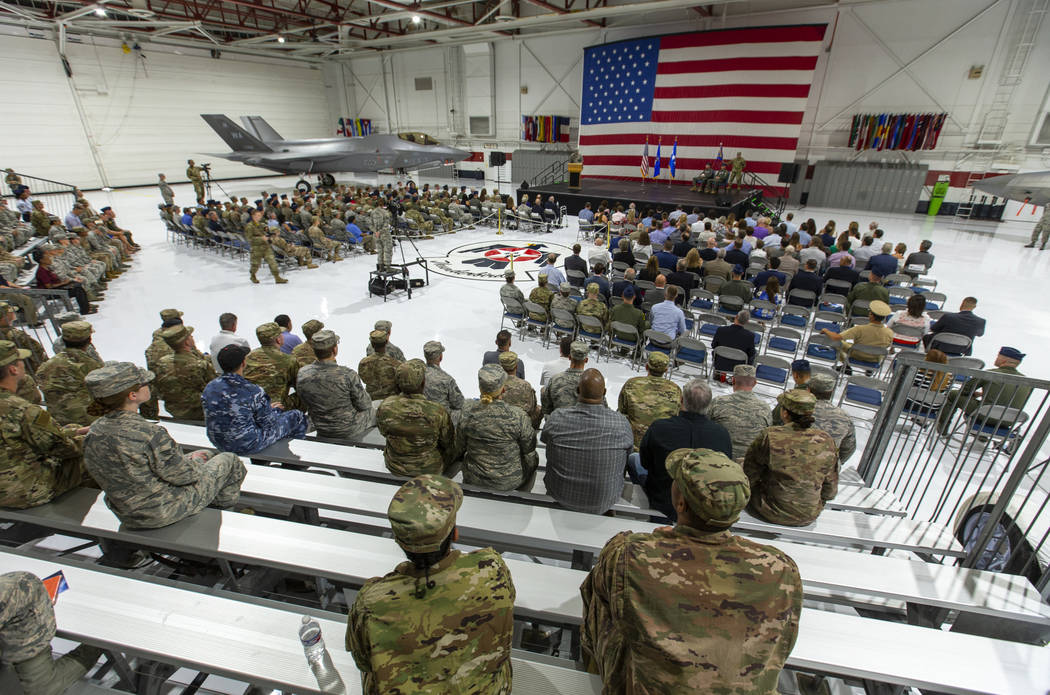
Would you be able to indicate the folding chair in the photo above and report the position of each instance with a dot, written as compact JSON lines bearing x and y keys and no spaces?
{"x":576,"y":278}
{"x":763,"y":310}
{"x":867,"y":357}
{"x":709,"y":323}
{"x":692,"y":353}
{"x":837,"y":287}
{"x":934,"y":300}
{"x":951,"y":344}
{"x":897,"y":279}
{"x":1000,"y":424}
{"x":512,"y":310}
{"x":774,"y":371}
{"x":829,"y":301}
{"x":860,"y":307}
{"x":807,"y":297}
{"x":784,"y":340}
{"x":590,"y":328}
{"x":614,"y":340}
{"x":863,"y":392}
{"x":923,"y":405}
{"x":899,"y":296}
{"x":657,"y":341}
{"x":730,"y":304}
{"x":713,"y":283}
{"x":737,"y":357}
{"x":967,"y":362}
{"x":701,"y":299}
{"x":831,"y":320}
{"x":794,"y":316}
{"x":531,"y":309}
{"x":908,"y":332}
{"x":563,"y":323}
{"x":821,"y":348}
{"x":924,"y":283}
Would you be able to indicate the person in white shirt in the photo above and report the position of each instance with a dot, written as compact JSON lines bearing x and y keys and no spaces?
{"x":599,"y":253}
{"x":226,"y":336}
{"x":789,"y":226}
{"x":559,"y":365}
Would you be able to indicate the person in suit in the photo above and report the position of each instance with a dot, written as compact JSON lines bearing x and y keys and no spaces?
{"x":844,"y":272}
{"x":807,"y":279}
{"x":574,"y":262}
{"x":964,"y":322}
{"x":683,"y":279}
{"x":718,"y":267}
{"x":773,"y":271}
{"x":620,"y":285}
{"x":685,"y":245}
{"x":735,"y":254}
{"x":735,"y":335}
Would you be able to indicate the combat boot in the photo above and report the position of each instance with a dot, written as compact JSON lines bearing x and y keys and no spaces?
{"x":279,"y":280}
{"x":311,"y":265}
{"x":255,"y":279}
{"x":336,"y":258}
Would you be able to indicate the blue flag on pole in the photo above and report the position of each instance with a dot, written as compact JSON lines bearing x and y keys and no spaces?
{"x":656,"y":166}
{"x":674,"y":156}
{"x":721,"y":157}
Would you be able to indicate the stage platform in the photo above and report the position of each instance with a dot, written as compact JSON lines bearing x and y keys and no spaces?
{"x":655,"y":195}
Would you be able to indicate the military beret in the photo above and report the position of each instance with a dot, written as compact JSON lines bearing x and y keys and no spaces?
{"x":713,"y":485}
{"x":657,"y":362}
{"x":105,"y":209}
{"x":491,"y":378}
{"x":175,"y":335}
{"x":821,"y":383}
{"x":579,"y":350}
{"x":166,"y":314}
{"x":378,"y":337}
{"x":267,"y":332}
{"x":744,"y":370}
{"x":565,"y":287}
{"x":383,"y":325}
{"x":880,"y":308}
{"x":9,"y":352}
{"x":593,"y":288}
{"x":628,"y":292}
{"x":77,"y":331}
{"x":311,"y":327}
{"x":423,"y":512}
{"x":797,"y":401}
{"x":1011,"y":353}
{"x":115,"y":377}
{"x":433,"y":347}
{"x":800,"y":366}
{"x":508,"y":273}
{"x":324,"y":339}
{"x":508,"y":360}
{"x":231,"y":357}
{"x":410,"y":375}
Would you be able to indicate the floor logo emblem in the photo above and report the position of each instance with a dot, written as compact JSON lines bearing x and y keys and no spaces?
{"x":487,"y":260}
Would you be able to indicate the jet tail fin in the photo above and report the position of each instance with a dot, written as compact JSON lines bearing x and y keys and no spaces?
{"x":239,"y":139}
{"x":261,"y":129}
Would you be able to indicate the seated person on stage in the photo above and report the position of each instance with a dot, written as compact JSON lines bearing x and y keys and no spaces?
{"x":703,"y":179}
{"x":694,"y":608}
{"x":976,"y":393}
{"x":239,"y":415}
{"x":332,"y":394}
{"x":148,"y":481}
{"x":419,"y":432}
{"x":794,"y":467}
{"x":27,"y":626}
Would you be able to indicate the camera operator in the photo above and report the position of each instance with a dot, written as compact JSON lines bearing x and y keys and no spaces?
{"x":193,"y":173}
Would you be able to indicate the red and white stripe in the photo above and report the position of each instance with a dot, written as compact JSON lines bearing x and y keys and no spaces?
{"x":744,"y":89}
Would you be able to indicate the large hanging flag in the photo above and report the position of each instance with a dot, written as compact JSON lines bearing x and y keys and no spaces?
{"x":674,"y":156}
{"x":656,"y":167}
{"x":743,"y":88}
{"x":645,"y":161}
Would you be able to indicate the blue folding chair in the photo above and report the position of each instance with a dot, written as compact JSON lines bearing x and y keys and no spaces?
{"x":701,"y":299}
{"x":934,"y":300}
{"x":821,"y":348}
{"x":736,"y":356}
{"x":863,"y":392}
{"x":794,"y":316}
{"x":614,"y":340}
{"x":967,"y":362}
{"x":784,"y":340}
{"x":692,"y":353}
{"x":831,"y":320}
{"x":730,"y":304}
{"x":709,"y":323}
{"x":513,"y":311}
{"x":867,"y":357}
{"x":899,"y":295}
{"x":774,"y":371}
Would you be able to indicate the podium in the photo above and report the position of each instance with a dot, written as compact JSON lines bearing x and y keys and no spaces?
{"x":575,"y":168}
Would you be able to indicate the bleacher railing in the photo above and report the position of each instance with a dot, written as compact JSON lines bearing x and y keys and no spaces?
{"x":57,"y":196}
{"x":988,"y":479}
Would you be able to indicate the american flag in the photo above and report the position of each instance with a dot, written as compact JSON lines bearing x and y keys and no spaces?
{"x":645,"y":161}
{"x":744,"y":89}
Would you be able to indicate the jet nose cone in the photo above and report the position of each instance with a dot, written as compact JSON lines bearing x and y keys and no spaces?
{"x":994,"y":185}
{"x":453,"y":154}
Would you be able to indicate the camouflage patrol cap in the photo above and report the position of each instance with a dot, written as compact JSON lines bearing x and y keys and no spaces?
{"x":410,"y":375}
{"x":508,"y":273}
{"x":821,"y":383}
{"x":324,"y":339}
{"x":433,"y":347}
{"x":377,"y":338}
{"x":383,"y":325}
{"x":491,"y":378}
{"x":166,"y":314}
{"x":267,"y":332}
{"x":713,"y":485}
{"x":657,"y":362}
{"x":67,"y":316}
{"x":579,"y":350}
{"x":744,"y":370}
{"x":311,"y":327}
{"x":175,"y":335}
{"x":9,"y":353}
{"x":77,"y":331}
{"x":508,"y":360}
{"x":115,"y":377}
{"x":565,"y":288}
{"x":593,"y":288}
{"x":797,"y":401}
{"x":423,"y":512}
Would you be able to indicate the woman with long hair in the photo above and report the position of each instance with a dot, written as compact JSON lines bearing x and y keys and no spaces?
{"x":643,"y":247}
{"x":770,"y":293}
{"x":693,"y":262}
{"x":651,"y":270}
{"x":914,"y":316}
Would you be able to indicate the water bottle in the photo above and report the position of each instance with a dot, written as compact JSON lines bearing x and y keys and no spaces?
{"x":313,"y":643}
{"x":320,"y":660}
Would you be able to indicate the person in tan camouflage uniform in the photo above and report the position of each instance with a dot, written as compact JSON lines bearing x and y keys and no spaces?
{"x":420,"y":437}
{"x":304,"y":352}
{"x":440,"y":387}
{"x":518,"y":391}
{"x":269,"y":368}
{"x":27,"y":388}
{"x":743,"y":414}
{"x":301,"y":254}
{"x":378,"y":370}
{"x":593,"y":306}
{"x":61,"y":378}
{"x":722,"y":609}
{"x":644,"y":399}
{"x":182,"y":376}
{"x":541,"y":294}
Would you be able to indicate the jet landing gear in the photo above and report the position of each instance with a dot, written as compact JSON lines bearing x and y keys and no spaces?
{"x":303,"y":186}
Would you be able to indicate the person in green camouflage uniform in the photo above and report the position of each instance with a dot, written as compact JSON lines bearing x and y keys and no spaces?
{"x":61,"y":378}
{"x":27,"y":388}
{"x":321,"y":242}
{"x":39,"y":460}
{"x":148,"y":481}
{"x":440,"y":386}
{"x":301,"y":254}
{"x":41,"y":220}
{"x":27,"y":626}
{"x":593,"y":306}
{"x":381,"y":221}
{"x":518,"y":391}
{"x":563,"y":301}
{"x":269,"y":368}
{"x":976,"y":393}
{"x":742,"y":413}
{"x":794,"y":467}
{"x":693,"y":608}
{"x":419,"y":434}
{"x":304,"y":352}
{"x":182,"y":376}
{"x":378,"y":370}
{"x":541,"y":294}
{"x":645,"y":399}
{"x":496,"y":439}
{"x":257,"y":235}
{"x":423,"y":226}
{"x":833,"y":420}
{"x":332,"y":394}
{"x":442,"y":621}
{"x":560,"y":391}
{"x":508,"y":290}
{"x":391,"y":349}
{"x":158,"y":348}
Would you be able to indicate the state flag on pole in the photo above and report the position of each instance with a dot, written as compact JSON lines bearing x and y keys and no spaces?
{"x":674,"y":156}
{"x":721,"y":157}
{"x":645,"y":161}
{"x":656,"y":167}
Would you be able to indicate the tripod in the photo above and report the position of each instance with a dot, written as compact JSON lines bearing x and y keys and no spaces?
{"x":208,"y":182}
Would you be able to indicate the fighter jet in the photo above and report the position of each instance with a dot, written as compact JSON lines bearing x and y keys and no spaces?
{"x":1031,"y":188}
{"x":259,"y":145}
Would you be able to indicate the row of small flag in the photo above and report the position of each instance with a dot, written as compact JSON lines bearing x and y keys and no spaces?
{"x":672,"y":163}
{"x":351,"y":127}
{"x":896,"y":131}
{"x":545,"y":128}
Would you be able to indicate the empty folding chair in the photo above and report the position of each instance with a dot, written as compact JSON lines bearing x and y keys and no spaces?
{"x":691,"y":353}
{"x":542,"y":327}
{"x":899,"y":295}
{"x":763,"y":309}
{"x":951,"y":344}
{"x":772,"y":371}
{"x":924,"y":283}
{"x":714,"y":283}
{"x":868,"y":358}
{"x":897,"y":279}
{"x":784,"y":340}
{"x":730,"y":304}
{"x":514,"y":311}
{"x":934,"y":315}
{"x":934,"y":300}
{"x":863,"y":392}
{"x":820,"y":348}
{"x":923,"y":405}
{"x":1000,"y":424}
{"x":794,"y":316}
{"x":730,"y":358}
{"x":701,"y":299}
{"x":623,"y":336}
{"x":803,"y":298}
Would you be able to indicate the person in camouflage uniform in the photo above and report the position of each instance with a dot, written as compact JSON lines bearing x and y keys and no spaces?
{"x":644,"y":399}
{"x":443,"y":620}
{"x":420,"y":437}
{"x":801,"y":373}
{"x":59,"y":345}
{"x":496,"y":439}
{"x":561,"y":389}
{"x":238,"y":414}
{"x":510,"y":291}
{"x":257,"y":235}
{"x":460,"y":214}
{"x":833,"y":420}
{"x":391,"y":349}
{"x":158,"y":348}
{"x":304,"y":352}
{"x":542,"y":295}
{"x":41,"y":220}
{"x":440,"y":387}
{"x":39,"y":460}
{"x":378,"y":370}
{"x":27,"y":388}
{"x":423,"y":226}
{"x":593,"y":306}
{"x":321,"y":242}
{"x":381,"y":221}
{"x":794,"y":467}
{"x":148,"y":481}
{"x":182,"y":376}
{"x":301,"y":254}
{"x":693,"y":608}
{"x":270,"y":368}
{"x":331,"y":394}
{"x":193,"y":173}
{"x":518,"y":391}
{"x":742,"y":413}
{"x":27,"y":626}
{"x":61,"y":378}
{"x":565,"y":302}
